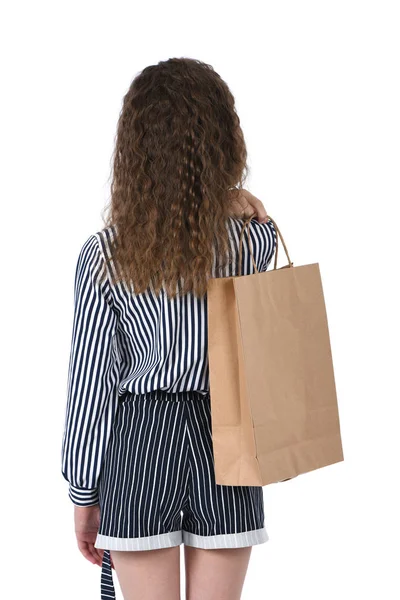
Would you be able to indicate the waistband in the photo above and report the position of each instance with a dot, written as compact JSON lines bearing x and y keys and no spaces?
{"x":185,"y":396}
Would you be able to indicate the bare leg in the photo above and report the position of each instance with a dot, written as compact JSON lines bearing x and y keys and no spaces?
{"x":148,"y":574}
{"x":215,"y":574}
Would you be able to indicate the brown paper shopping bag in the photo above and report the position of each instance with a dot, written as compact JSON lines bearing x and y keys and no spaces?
{"x":273,"y":396}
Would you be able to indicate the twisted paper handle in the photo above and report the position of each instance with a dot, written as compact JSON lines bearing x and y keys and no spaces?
{"x":246,"y":225}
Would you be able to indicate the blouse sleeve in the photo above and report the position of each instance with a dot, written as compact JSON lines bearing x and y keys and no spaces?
{"x":270,"y":246}
{"x":93,"y":372}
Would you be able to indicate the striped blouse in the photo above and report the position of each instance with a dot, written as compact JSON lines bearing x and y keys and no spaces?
{"x":137,"y":343}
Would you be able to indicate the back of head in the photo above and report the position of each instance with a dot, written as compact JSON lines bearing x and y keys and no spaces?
{"x":179,"y":150}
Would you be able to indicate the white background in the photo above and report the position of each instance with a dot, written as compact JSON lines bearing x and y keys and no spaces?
{"x":317,"y":90}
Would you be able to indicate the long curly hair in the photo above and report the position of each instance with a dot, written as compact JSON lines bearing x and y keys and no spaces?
{"x":179,"y":159}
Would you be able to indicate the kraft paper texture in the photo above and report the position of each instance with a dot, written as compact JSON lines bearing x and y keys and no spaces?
{"x":273,"y":395}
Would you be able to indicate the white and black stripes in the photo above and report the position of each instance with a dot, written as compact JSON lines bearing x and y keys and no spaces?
{"x":157,"y":487}
{"x":92,"y":378}
{"x":159,"y":462}
{"x":122,"y":342}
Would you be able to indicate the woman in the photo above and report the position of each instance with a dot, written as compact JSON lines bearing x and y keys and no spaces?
{"x":137,"y":446}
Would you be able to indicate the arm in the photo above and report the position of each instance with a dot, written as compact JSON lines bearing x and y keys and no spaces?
{"x":243,"y":205}
{"x":92,"y":389}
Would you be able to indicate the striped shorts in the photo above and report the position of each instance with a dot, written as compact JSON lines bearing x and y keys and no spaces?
{"x":157,"y":485}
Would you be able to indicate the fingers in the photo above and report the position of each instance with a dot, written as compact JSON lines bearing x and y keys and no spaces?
{"x":260,"y":210}
{"x":84,"y":548}
{"x":99,"y":555}
{"x":96,"y":556}
{"x":242,"y":209}
{"x":256,"y":205}
{"x":90,"y":553}
{"x":249,"y":211}
{"x":245,"y":205}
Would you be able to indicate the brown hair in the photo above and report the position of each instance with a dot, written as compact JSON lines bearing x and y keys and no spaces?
{"x":179,"y":150}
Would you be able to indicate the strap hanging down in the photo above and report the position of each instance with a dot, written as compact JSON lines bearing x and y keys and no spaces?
{"x":107,"y":584}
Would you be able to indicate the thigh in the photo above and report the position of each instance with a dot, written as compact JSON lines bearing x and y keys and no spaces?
{"x":148,"y":574}
{"x":215,"y":574}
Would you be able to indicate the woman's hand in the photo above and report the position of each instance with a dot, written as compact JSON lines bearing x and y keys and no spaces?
{"x":87,"y":521}
{"x":245,"y":204}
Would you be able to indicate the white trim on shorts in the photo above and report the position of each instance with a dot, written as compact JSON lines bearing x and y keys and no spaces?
{"x":226,"y":540}
{"x":175,"y":538}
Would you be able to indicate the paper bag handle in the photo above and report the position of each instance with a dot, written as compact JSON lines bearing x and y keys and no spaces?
{"x":246,"y":225}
